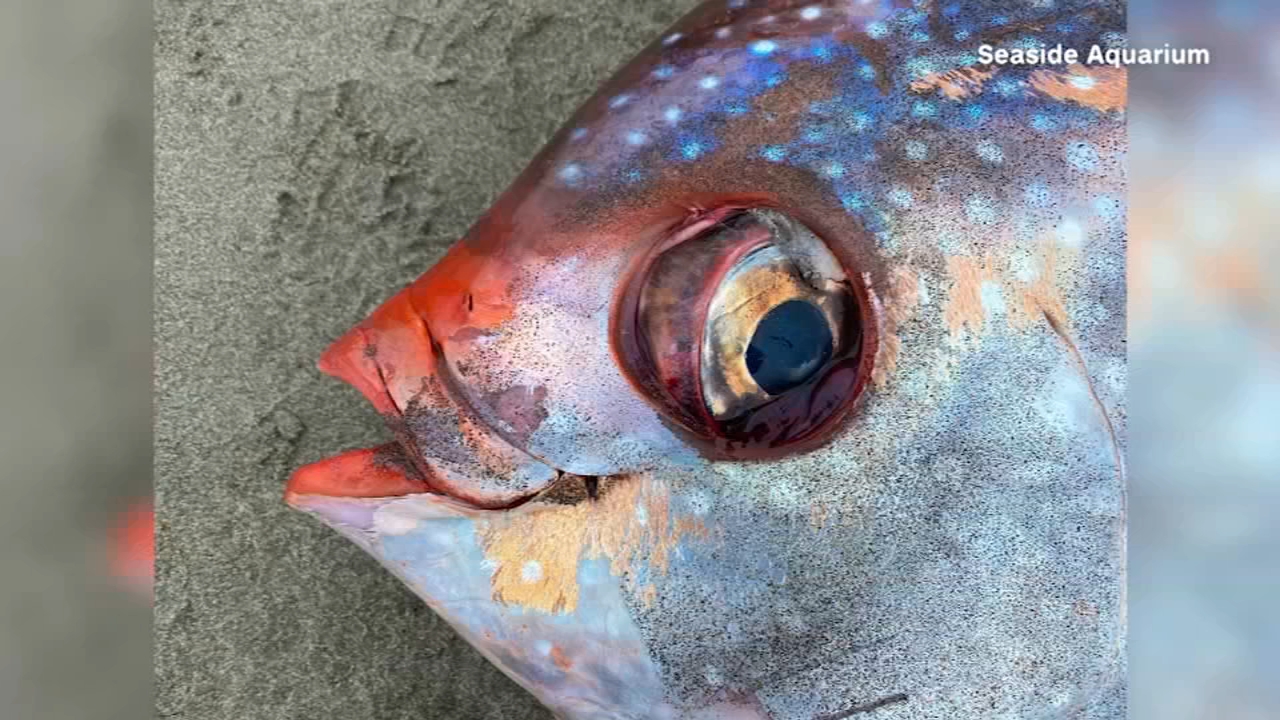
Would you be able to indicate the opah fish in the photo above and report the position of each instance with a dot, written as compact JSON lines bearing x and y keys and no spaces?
{"x":785,"y":382}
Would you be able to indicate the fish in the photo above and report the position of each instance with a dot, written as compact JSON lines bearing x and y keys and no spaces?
{"x":787,"y":381}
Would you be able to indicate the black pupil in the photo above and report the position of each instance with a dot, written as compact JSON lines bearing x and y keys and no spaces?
{"x":791,"y":343}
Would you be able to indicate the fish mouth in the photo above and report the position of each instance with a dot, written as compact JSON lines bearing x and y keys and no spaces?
{"x":444,"y":446}
{"x":386,"y":472}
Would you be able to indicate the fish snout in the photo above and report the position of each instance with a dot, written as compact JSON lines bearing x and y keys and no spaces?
{"x":442,"y":445}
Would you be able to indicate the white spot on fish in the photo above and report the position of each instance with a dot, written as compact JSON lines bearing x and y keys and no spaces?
{"x":980,"y":210}
{"x":531,"y":571}
{"x":710,"y":82}
{"x":1023,"y":266}
{"x":992,"y":299}
{"x":950,"y":242}
{"x":901,"y":197}
{"x":542,"y":647}
{"x":990,"y":152}
{"x":1070,"y":233}
{"x":813,"y":12}
{"x":1037,"y":195}
{"x":723,"y":33}
{"x":916,"y":150}
{"x":763,"y":47}
{"x":785,"y":495}
{"x":672,"y":114}
{"x":700,"y":502}
{"x":672,"y":39}
{"x":877,"y":30}
{"x":1082,"y":156}
{"x":578,"y":134}
{"x":1083,"y":82}
{"x":642,"y":515}
{"x":571,"y":173}
{"x":394,"y":523}
{"x":1064,"y":403}
{"x":713,"y":676}
{"x":922,"y":289}
{"x":635,"y":137}
{"x":1107,"y":207}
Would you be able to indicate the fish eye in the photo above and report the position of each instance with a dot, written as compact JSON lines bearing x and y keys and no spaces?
{"x":749,"y":334}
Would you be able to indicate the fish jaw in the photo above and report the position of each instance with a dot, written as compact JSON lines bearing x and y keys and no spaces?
{"x":588,"y":659}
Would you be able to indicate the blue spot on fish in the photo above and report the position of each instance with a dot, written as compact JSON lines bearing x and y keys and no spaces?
{"x":774,"y":153}
{"x":763,"y":47}
{"x":916,"y":150}
{"x":924,"y":109}
{"x":1043,"y":123}
{"x":814,"y":134}
{"x":1007,"y":87}
{"x":663,"y":72}
{"x":919,"y":67}
{"x":852,"y":201}
{"x":692,"y":149}
{"x":823,"y":52}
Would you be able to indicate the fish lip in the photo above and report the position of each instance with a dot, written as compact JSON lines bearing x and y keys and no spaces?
{"x":559,"y":491}
{"x":402,"y":466}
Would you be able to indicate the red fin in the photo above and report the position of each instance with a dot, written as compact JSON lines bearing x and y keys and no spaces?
{"x":366,"y":473}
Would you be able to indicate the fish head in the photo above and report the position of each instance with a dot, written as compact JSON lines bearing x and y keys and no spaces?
{"x":786,"y":380}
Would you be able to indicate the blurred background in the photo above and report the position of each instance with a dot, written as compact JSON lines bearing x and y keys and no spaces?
{"x":1204,"y":363}
{"x":76,"y":346}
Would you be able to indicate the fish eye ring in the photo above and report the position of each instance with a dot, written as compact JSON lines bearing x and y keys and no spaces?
{"x":748,"y":334}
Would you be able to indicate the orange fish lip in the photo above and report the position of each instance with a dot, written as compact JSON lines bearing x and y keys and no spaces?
{"x":375,"y":474}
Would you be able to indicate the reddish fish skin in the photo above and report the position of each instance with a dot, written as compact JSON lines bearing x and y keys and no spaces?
{"x":947,"y":192}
